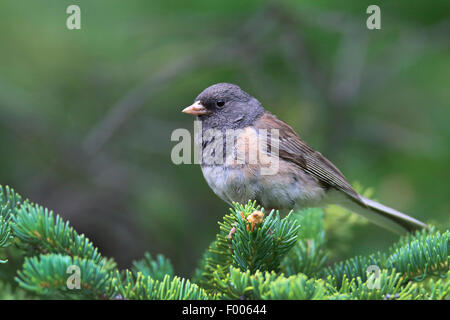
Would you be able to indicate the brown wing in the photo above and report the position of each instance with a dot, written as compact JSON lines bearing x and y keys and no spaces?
{"x":292,"y":148}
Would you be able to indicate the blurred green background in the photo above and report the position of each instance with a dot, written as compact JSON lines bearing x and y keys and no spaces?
{"x":86,"y":115}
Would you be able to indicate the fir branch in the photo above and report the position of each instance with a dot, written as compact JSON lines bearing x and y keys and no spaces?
{"x":156,"y":269}
{"x":39,"y":231}
{"x":262,"y":248}
{"x":179,"y":289}
{"x":422,"y":256}
{"x":387,"y":285}
{"x":244,"y":285}
{"x":434,"y":288}
{"x":269,"y":285}
{"x":297,"y":287}
{"x":139,"y":286}
{"x":244,"y":262}
{"x":9,"y":200}
{"x":49,"y":276}
{"x":352,"y":268}
{"x":308,"y":254}
{"x":414,"y":257}
{"x":5,"y":230}
{"x":218,"y":258}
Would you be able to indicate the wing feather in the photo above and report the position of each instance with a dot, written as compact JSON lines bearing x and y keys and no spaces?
{"x":292,"y":148}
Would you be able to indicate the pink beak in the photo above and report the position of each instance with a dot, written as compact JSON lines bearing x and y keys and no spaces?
{"x":196,"y":109}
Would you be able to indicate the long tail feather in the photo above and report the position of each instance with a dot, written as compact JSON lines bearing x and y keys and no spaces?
{"x":384,"y":216}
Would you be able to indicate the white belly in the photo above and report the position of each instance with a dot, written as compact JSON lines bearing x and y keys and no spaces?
{"x":281,"y":191}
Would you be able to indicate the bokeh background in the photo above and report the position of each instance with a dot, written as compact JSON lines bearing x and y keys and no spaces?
{"x":86,"y":115}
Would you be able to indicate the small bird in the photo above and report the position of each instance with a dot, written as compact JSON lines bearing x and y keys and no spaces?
{"x":304,"y":177}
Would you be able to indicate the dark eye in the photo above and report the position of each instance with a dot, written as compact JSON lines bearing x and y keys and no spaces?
{"x":220,"y":103}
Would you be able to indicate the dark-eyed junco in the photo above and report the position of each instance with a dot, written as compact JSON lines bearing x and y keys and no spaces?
{"x":303,"y":176}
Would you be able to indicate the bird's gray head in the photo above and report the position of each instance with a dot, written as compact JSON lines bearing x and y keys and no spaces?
{"x":225,"y":106}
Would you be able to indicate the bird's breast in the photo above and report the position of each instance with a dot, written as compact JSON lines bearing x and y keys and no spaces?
{"x":240,"y":173}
